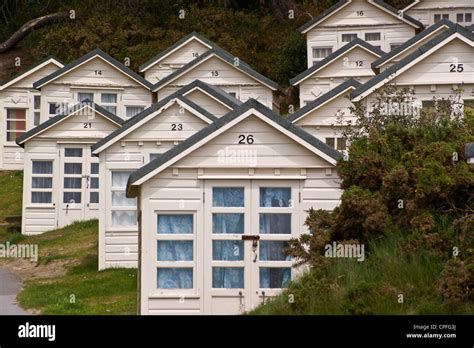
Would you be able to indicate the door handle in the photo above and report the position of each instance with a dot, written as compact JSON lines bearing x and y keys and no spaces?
{"x":241,"y":299}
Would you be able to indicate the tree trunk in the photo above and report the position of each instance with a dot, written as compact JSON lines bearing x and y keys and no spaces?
{"x":29,"y":27}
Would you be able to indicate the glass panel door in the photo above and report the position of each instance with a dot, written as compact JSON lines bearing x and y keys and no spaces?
{"x":275,"y":219}
{"x":226,"y":256}
{"x":247,"y":228}
{"x":72,"y":183}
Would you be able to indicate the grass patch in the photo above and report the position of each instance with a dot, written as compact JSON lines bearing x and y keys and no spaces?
{"x":370,"y":287}
{"x":11,"y":193}
{"x":65,"y":280}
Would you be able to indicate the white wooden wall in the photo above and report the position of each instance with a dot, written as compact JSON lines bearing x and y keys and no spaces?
{"x":208,"y":103}
{"x":118,"y":247}
{"x":20,"y":96}
{"x":39,"y":218}
{"x":175,"y":60}
{"x":350,"y":20}
{"x":184,"y":192}
{"x":425,"y":11}
{"x":229,"y":79}
{"x":84,"y":79}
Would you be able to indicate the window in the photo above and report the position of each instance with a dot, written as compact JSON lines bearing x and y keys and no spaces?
{"x":372,"y":37}
{"x":394,"y":46}
{"x":321,"y":52}
{"x":36,"y":110}
{"x":437,"y":18}
{"x":81,"y":96}
{"x":337,"y":143}
{"x":72,"y":192}
{"x":94,"y":184}
{"x":57,"y":108}
{"x":468,"y":17}
{"x":41,"y":182}
{"x":109,"y":102}
{"x":124,"y":213}
{"x":73,"y":152}
{"x":445,"y":16}
{"x":16,"y":123}
{"x":460,"y":17}
{"x":175,"y":243}
{"x":234,"y":94}
{"x":331,"y":142}
{"x":131,"y":111}
{"x":348,"y":37}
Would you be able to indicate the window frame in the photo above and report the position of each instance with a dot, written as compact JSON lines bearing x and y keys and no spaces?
{"x":113,"y":208}
{"x":38,"y":175}
{"x":133,"y":106}
{"x":373,"y":33}
{"x":179,"y":292}
{"x":319,"y":48}
{"x":106,"y":105}
{"x":7,"y":119}
{"x":349,"y":34}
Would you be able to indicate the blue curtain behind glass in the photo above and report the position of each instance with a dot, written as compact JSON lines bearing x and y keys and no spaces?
{"x":274,"y":278}
{"x":227,"y":250}
{"x":175,"y":224}
{"x":228,"y":277}
{"x":227,"y":196}
{"x":228,"y":223}
{"x":273,"y":251}
{"x":175,"y":278}
{"x":275,"y":196}
{"x":174,"y":250}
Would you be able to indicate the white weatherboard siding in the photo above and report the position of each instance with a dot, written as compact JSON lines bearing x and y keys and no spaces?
{"x":354,"y":64}
{"x":358,"y":18}
{"x":437,"y":75}
{"x":208,"y":103}
{"x":19,"y":95}
{"x":51,"y":146}
{"x":436,"y":68}
{"x":412,"y":48}
{"x":323,"y":122}
{"x":172,"y":62}
{"x":222,"y":74}
{"x":426,"y":10}
{"x":186,"y":188}
{"x":118,"y":245}
{"x":97,"y":77}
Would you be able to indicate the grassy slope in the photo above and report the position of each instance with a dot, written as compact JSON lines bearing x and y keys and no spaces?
{"x":65,"y":279}
{"x":369,"y":287}
{"x":11,"y":184}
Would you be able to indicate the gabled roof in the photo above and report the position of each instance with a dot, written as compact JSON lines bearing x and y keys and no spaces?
{"x":194,"y":35}
{"x":213,"y":91}
{"x":223,"y":55}
{"x":138,"y":120}
{"x":415,"y":2}
{"x":393,"y":71}
{"x":343,"y":3}
{"x":315,"y":104}
{"x":413,"y":41}
{"x":64,"y":115}
{"x":214,"y":129}
{"x":87,"y":57}
{"x":335,"y":55}
{"x":30,"y":70}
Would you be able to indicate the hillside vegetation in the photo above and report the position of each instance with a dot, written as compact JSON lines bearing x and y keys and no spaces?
{"x":408,"y":200}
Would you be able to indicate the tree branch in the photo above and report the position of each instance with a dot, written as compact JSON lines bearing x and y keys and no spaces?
{"x":29,"y":27}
